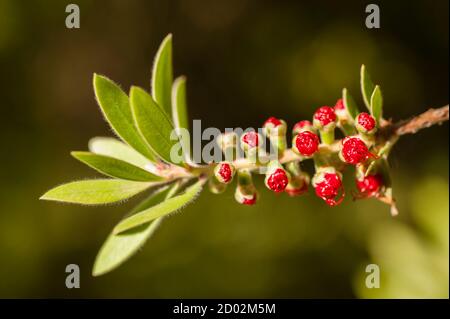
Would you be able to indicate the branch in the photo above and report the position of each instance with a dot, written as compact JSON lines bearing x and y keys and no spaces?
{"x":416,"y":123}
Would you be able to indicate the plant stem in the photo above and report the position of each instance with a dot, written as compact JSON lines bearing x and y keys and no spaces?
{"x":416,"y":123}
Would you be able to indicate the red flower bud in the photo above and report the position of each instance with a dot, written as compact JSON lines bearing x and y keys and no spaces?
{"x":339,"y":105}
{"x":277,"y":180}
{"x":273,"y":121}
{"x":246,"y":195}
{"x":301,"y":126}
{"x":324,"y":116}
{"x":216,"y":187}
{"x":306,"y":143}
{"x":341,"y":112}
{"x":224,"y":172}
{"x":245,"y":191}
{"x":297,"y":185}
{"x":227,"y":139}
{"x":370,"y":185}
{"x":250,"y":201}
{"x":329,"y":187}
{"x":292,"y":191}
{"x":274,"y":127}
{"x":354,"y":151}
{"x":365,"y":123}
{"x":250,"y":140}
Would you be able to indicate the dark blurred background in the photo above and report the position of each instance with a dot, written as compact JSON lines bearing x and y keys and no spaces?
{"x":245,"y":60}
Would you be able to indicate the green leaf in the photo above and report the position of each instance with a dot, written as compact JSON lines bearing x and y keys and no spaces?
{"x":179,"y":104}
{"x":152,"y":122}
{"x":180,"y":115}
{"x":118,"y":248}
{"x":115,"y":106}
{"x":376,"y":104}
{"x":112,"y":147}
{"x":171,"y":205}
{"x":350,"y":104}
{"x":367,"y":86}
{"x":162,"y":76}
{"x":114,"y":167}
{"x":96,"y":191}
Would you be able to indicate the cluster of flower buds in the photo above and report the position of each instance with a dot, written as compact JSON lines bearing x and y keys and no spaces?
{"x":310,"y":140}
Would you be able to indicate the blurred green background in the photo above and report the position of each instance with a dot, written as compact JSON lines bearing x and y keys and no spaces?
{"x":245,"y":60}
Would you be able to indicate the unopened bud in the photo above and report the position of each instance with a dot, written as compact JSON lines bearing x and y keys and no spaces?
{"x":298,"y":183}
{"x":215,"y":186}
{"x":251,"y":144}
{"x":301,"y":126}
{"x":328,"y":185}
{"x":369,"y":186}
{"x":365,"y":123}
{"x":224,"y":172}
{"x":276,"y":177}
{"x":354,"y":151}
{"x":245,"y":191}
{"x":344,"y":120}
{"x":227,"y":142}
{"x":325,"y":121}
{"x":275,"y":130}
{"x":306,"y":143}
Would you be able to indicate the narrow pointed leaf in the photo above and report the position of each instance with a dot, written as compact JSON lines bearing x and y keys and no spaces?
{"x":367,"y":86}
{"x":162,"y":76}
{"x":180,"y":115}
{"x":376,"y":104}
{"x":152,"y":122}
{"x":350,"y":104}
{"x":115,"y":106}
{"x":118,"y":248}
{"x":114,"y":167}
{"x":112,"y":147}
{"x":169,"y":206}
{"x":96,"y":191}
{"x":179,"y":104}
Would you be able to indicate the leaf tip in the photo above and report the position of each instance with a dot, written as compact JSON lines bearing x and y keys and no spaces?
{"x":179,"y":80}
{"x":98,"y":271}
{"x":46,"y":196}
{"x":133,"y":88}
{"x":118,"y":229}
{"x":168,"y":38}
{"x":95,"y":77}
